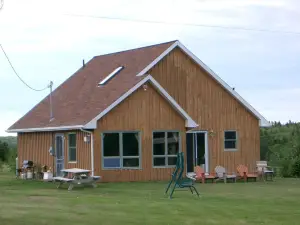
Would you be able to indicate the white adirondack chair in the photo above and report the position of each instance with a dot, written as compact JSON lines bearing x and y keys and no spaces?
{"x":264,"y":170}
{"x":221,"y":174}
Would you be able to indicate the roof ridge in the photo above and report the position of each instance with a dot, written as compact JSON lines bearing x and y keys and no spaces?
{"x":133,"y":49}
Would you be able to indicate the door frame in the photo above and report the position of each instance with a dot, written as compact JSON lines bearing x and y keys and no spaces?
{"x":206,"y":147}
{"x":63,"y":150}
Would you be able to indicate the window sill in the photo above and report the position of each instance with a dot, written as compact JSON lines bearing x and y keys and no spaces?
{"x":72,"y":162}
{"x":163,"y":167}
{"x":230,"y":150}
{"x":127,"y":168}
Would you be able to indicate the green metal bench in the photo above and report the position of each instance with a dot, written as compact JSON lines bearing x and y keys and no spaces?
{"x":178,"y":179}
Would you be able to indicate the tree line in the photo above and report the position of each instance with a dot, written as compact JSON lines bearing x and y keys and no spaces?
{"x":280,"y":146}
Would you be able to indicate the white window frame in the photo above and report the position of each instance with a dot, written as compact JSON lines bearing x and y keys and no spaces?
{"x":166,"y":155}
{"x":72,"y":147}
{"x":236,"y":141}
{"x":121,"y":157}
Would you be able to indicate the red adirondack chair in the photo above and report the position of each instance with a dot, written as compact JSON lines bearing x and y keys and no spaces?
{"x":200,"y":175}
{"x":244,"y":174}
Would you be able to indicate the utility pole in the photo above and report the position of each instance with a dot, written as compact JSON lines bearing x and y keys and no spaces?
{"x":50,"y":96}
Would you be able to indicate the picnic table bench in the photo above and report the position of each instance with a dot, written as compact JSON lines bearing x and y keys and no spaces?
{"x":76,"y":176}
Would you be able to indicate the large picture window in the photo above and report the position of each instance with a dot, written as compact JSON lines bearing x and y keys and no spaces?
{"x":121,"y":150}
{"x":166,"y":145}
{"x":72,"y":147}
{"x":230,"y":140}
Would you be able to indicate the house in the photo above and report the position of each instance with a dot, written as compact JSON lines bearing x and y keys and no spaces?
{"x":125,"y":115}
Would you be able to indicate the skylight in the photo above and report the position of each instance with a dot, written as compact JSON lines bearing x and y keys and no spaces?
{"x":113,"y":73}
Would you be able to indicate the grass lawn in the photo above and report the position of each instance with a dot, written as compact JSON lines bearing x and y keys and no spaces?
{"x":38,"y":203}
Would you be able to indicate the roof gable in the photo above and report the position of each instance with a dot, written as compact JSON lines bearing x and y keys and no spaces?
{"x":262,"y":121}
{"x":189,"y":121}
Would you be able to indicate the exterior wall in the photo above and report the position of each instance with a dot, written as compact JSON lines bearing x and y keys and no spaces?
{"x":212,"y":107}
{"x":35,"y":146}
{"x":83,"y":152}
{"x":143,"y":111}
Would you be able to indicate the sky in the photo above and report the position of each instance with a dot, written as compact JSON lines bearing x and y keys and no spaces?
{"x":47,"y":41}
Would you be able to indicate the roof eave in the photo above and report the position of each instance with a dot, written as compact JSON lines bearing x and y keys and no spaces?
{"x":43,"y":129}
{"x":191,"y":124}
{"x":264,"y":123}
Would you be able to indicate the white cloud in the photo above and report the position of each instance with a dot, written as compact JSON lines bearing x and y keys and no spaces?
{"x":276,"y":104}
{"x":7,"y":118}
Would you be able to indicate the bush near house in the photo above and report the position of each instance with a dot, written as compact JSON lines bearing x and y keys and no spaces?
{"x":7,"y":156}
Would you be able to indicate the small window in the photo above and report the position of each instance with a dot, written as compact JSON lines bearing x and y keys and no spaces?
{"x":121,"y":150}
{"x":72,"y":147}
{"x":166,"y":145}
{"x":230,"y":140}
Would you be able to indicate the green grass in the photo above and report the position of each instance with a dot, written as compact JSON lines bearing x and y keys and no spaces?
{"x":38,"y":203}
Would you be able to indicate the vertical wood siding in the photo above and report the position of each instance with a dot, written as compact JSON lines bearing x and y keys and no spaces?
{"x":83,"y":151}
{"x":34,"y":146}
{"x":212,"y":107}
{"x":144,"y":111}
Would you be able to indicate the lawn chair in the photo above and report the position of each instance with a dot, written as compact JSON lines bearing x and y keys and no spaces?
{"x":179,"y":181}
{"x":222,"y":175}
{"x":201,"y":175}
{"x":243,"y":173}
{"x":264,"y":170}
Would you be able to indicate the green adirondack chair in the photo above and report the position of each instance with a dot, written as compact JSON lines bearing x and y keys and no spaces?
{"x":178,"y":179}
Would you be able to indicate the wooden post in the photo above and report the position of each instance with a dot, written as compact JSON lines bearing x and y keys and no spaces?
{"x":203,"y":178}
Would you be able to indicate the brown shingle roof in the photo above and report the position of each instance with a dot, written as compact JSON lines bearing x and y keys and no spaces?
{"x":78,"y":100}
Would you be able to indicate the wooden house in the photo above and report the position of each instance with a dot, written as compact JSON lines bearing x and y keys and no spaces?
{"x":125,"y":115}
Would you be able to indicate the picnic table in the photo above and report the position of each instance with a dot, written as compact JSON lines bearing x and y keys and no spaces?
{"x":76,"y":176}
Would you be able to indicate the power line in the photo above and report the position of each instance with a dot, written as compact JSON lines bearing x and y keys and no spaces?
{"x":18,"y":75}
{"x":48,"y":86}
{"x":185,"y":24}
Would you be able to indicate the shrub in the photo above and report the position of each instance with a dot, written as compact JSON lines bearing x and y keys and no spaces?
{"x":11,"y":159}
{"x":296,"y":168}
{"x":5,"y":168}
{"x":286,"y":168}
{"x":4,"y":151}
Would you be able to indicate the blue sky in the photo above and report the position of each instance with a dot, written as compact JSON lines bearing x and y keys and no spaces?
{"x":44,"y":44}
